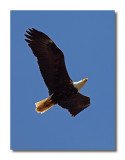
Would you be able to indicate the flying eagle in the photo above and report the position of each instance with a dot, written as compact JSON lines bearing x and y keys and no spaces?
{"x":62,"y":90}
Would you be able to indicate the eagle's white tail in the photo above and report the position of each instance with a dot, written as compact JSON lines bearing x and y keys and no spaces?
{"x":44,"y":105}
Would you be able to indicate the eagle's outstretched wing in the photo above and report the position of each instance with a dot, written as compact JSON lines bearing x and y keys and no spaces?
{"x":50,"y":59}
{"x":76,"y":103}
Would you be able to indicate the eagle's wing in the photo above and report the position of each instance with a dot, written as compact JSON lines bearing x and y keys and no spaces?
{"x":76,"y":103}
{"x":50,"y":59}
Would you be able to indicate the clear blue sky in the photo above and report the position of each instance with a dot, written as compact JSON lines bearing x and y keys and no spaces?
{"x":87,"y":39}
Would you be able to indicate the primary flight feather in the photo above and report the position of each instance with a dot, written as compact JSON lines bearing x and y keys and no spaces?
{"x":62,"y":90}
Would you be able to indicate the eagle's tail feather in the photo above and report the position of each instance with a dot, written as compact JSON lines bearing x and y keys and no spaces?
{"x":44,"y":105}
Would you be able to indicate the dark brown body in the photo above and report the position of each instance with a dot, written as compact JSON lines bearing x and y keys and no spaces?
{"x":64,"y":93}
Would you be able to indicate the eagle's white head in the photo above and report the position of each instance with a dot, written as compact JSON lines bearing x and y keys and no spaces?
{"x":80,"y":84}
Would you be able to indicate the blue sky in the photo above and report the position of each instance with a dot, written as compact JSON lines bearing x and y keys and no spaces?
{"x":87,"y":39}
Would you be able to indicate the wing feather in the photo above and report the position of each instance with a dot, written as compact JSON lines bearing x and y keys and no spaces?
{"x":50,"y":59}
{"x":76,"y":103}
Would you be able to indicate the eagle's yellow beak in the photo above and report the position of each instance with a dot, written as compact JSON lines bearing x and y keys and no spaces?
{"x":85,"y":80}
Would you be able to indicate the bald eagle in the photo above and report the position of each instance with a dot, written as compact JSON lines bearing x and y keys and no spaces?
{"x":62,"y":90}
